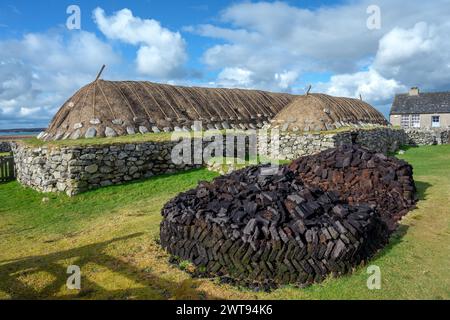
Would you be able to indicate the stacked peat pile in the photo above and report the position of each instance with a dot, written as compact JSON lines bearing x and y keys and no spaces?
{"x":362,"y":176}
{"x":274,"y":229}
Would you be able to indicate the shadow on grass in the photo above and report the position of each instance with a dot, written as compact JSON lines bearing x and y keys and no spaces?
{"x":422,"y":187}
{"x":149,"y":283}
{"x":402,"y":148}
{"x":402,"y":229}
{"x":395,"y":239}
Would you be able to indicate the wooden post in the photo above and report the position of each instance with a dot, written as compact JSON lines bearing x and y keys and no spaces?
{"x":100,"y":73}
{"x":309,"y":89}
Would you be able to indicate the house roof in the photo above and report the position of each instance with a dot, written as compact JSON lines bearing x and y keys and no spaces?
{"x":320,"y":112}
{"x":123,"y":107}
{"x":432,"y":102}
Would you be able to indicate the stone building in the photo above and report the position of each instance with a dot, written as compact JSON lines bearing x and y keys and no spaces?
{"x":421,"y":110}
{"x":114,"y":108}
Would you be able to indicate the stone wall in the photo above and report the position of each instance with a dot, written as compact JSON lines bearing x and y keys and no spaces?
{"x":76,"y":169}
{"x":427,"y":136}
{"x":294,"y":145}
{"x":5,"y":146}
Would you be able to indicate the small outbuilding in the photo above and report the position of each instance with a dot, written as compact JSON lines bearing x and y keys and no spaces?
{"x":321,"y":112}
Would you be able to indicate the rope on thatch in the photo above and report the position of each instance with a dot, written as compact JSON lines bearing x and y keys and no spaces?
{"x":93,"y":99}
{"x":244,"y":102}
{"x":189,"y":102}
{"x":84,"y":102}
{"x":223,"y":94}
{"x":62,"y":114}
{"x":153,"y":98}
{"x":204,"y":96}
{"x":165,"y":99}
{"x":280,"y":102}
{"x":265,"y":97}
{"x":117,"y":88}
{"x":141,"y":103}
{"x":196,"y":96}
{"x":252,"y":101}
{"x":107,"y":102}
{"x":219,"y":95}
{"x":257,"y":101}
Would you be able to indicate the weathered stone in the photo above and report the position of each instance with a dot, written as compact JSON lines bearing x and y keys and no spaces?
{"x":110,"y":132}
{"x":143,"y":129}
{"x":91,"y":168}
{"x":76,"y":134}
{"x":118,"y":122}
{"x":131,"y":130}
{"x":90,"y":133}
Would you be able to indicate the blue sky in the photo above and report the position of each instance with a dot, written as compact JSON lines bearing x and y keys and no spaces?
{"x":278,"y":46}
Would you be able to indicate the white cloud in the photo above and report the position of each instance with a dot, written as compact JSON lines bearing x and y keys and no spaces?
{"x":267,"y":38}
{"x":406,"y":57}
{"x":417,"y":56}
{"x":41,"y":70}
{"x":161,"y":53}
{"x":369,"y":84}
{"x":235,"y":77}
{"x":286,"y":79}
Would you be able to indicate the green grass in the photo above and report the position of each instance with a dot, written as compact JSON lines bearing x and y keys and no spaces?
{"x":112,"y":234}
{"x":134,"y":138}
{"x":149,"y":137}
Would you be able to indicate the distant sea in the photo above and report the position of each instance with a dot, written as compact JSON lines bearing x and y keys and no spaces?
{"x":19,"y":133}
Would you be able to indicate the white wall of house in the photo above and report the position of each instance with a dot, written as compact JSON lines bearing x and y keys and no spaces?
{"x":423,"y":120}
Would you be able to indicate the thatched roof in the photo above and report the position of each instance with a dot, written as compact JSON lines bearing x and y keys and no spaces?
{"x":318,"y":112}
{"x":109,"y":108}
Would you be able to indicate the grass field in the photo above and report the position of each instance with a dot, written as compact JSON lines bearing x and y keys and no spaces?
{"x":152,"y":137}
{"x":112,"y":235}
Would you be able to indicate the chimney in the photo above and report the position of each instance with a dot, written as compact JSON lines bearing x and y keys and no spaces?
{"x":414,"y":91}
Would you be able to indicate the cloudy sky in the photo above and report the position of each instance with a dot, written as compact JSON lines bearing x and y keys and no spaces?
{"x":339,"y":47}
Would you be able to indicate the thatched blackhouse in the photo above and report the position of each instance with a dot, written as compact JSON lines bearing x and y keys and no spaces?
{"x":110,"y":108}
{"x":320,"y":112}
{"x":113,"y":108}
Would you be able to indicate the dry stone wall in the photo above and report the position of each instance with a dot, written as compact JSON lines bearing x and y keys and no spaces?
{"x":427,"y":136}
{"x":294,"y":145}
{"x":77,"y":169}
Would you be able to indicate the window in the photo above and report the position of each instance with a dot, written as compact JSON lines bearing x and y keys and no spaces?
{"x":405,"y":121}
{"x":435,"y":121}
{"x":415,"y":120}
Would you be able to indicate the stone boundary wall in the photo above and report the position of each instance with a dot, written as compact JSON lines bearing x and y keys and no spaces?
{"x":5,"y":146}
{"x":427,"y":136}
{"x":294,"y":145}
{"x":77,"y":169}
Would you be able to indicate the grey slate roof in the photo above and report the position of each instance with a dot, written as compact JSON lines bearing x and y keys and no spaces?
{"x":432,"y":102}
